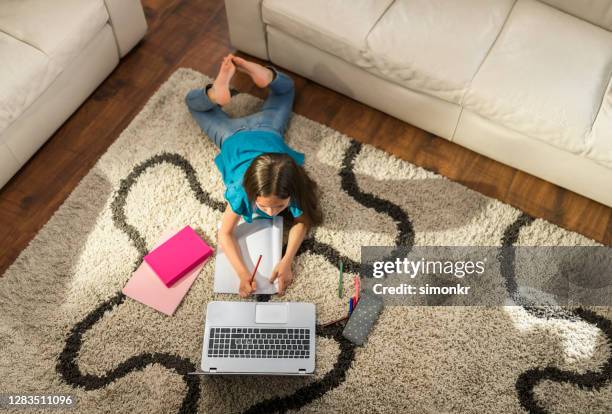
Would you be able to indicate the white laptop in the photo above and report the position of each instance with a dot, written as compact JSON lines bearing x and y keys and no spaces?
{"x":270,"y":338}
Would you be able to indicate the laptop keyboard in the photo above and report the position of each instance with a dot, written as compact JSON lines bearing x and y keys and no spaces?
{"x":259,"y":343}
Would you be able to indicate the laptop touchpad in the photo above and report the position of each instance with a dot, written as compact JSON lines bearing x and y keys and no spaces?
{"x":271,"y":313}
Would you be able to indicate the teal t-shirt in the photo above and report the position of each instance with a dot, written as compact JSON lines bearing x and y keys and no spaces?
{"x":237,"y":153}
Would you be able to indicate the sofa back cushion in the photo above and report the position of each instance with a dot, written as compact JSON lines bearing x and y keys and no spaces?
{"x":38,"y":39}
{"x":338,"y":27}
{"x":25,"y":72}
{"x":435,"y":46}
{"x":598,"y":12}
{"x":59,"y":28}
{"x":545,"y":77}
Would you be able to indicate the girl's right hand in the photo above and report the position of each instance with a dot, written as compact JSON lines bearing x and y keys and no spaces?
{"x":247,"y":286}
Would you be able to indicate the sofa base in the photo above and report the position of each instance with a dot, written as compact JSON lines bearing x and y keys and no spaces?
{"x":34,"y":127}
{"x":575,"y":173}
{"x":8,"y":164}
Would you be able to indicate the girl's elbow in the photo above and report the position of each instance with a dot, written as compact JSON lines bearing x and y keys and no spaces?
{"x":306,"y":224}
{"x":221,"y":237}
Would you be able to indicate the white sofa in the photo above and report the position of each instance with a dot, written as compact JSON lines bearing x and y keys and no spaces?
{"x":53,"y":54}
{"x":524,"y":82}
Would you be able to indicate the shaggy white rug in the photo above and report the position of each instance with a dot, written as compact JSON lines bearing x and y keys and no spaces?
{"x":66,"y":328}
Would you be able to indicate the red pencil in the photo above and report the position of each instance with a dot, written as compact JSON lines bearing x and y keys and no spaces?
{"x":256,"y":266}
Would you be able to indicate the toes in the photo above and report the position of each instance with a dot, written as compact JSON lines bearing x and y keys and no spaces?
{"x":227,"y":63}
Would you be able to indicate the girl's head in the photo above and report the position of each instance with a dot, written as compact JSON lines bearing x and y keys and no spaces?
{"x":273,"y":179}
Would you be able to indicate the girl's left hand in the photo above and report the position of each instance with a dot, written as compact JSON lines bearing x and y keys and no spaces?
{"x":282,"y":271}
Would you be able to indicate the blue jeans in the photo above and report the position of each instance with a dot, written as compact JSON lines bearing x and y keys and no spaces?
{"x":274,"y":114}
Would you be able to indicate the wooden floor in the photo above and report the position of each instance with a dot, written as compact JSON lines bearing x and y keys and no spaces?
{"x":194,"y":33}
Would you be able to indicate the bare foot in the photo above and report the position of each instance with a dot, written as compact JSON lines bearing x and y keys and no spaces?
{"x":261,"y":75}
{"x":219,"y":93}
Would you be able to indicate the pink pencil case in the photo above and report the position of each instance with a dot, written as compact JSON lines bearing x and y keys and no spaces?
{"x":178,"y":255}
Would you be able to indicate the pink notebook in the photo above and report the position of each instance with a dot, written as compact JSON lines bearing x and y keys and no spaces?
{"x":145,"y":287}
{"x":178,"y":255}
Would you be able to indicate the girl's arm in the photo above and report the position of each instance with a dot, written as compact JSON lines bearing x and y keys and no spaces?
{"x":282,"y":270}
{"x":230,"y":247}
{"x":296,"y":236}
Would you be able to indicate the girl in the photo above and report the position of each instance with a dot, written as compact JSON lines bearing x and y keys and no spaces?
{"x":262,"y":174}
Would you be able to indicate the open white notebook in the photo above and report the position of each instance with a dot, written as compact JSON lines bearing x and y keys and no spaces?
{"x":263,"y":236}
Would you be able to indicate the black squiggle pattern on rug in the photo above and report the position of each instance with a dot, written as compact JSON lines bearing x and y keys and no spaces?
{"x":528,"y":380}
{"x":404,"y":241}
{"x":404,"y":238}
{"x":507,"y":254}
{"x":317,"y":389}
{"x":405,"y":230}
{"x":507,"y":261}
{"x":120,"y":200}
{"x":70,"y":372}
{"x":590,"y":380}
{"x":67,"y":365}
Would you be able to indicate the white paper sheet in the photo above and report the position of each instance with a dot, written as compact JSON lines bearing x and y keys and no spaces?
{"x":263,"y":236}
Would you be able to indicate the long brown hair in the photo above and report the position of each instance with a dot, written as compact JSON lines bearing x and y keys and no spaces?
{"x":277,"y":174}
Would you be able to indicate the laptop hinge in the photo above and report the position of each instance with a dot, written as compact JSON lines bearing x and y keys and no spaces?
{"x":302,"y":370}
{"x":212,"y":370}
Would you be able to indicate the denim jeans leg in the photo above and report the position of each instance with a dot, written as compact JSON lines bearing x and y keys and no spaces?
{"x":213,"y":121}
{"x":278,"y":106}
{"x":281,"y":83}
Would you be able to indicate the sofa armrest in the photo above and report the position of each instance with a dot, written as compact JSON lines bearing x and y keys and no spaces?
{"x":246,"y":28}
{"x":128,"y":22}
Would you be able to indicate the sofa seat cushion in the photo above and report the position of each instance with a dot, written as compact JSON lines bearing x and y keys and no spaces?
{"x":25,"y":73}
{"x":38,"y":39}
{"x":338,"y":27}
{"x":435,"y":46}
{"x":58,"y":28}
{"x":545,"y":77}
